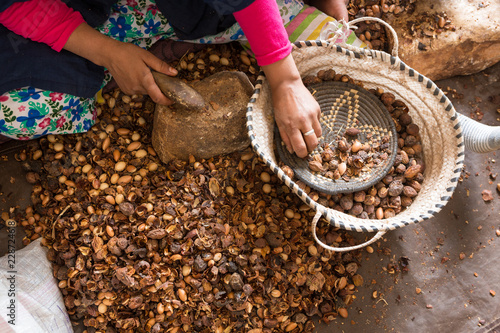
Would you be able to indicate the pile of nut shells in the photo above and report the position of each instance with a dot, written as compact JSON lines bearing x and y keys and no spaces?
{"x":213,"y":245}
{"x":424,"y":24}
{"x":398,"y":188}
{"x":347,"y":157}
{"x":216,"y":58}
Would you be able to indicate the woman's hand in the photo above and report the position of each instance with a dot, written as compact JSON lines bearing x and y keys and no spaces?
{"x":131,"y":68}
{"x":333,"y":8}
{"x":295,"y":110}
{"x":129,"y":64}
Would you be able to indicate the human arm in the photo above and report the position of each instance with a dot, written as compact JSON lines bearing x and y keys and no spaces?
{"x":295,"y":110}
{"x":53,"y":23}
{"x":129,"y":64}
{"x":334,"y":8}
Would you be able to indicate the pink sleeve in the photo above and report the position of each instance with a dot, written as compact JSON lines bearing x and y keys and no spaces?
{"x":262,"y":25}
{"x":46,"y":21}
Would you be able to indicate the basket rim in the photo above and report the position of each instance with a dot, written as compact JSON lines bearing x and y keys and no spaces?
{"x":339,"y":219}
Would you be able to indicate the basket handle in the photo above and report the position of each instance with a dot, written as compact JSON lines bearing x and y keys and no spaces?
{"x":315,"y":220}
{"x":347,"y":25}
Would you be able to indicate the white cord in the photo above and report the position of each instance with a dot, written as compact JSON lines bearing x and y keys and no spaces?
{"x":315,"y":220}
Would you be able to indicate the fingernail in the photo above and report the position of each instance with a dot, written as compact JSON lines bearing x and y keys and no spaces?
{"x":290,"y":150}
{"x":173,"y":71}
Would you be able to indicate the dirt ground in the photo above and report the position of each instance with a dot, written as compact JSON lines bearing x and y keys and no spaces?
{"x":454,"y":293}
{"x":446,"y":268}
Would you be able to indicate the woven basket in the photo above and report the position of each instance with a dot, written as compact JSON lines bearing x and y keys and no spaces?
{"x":441,"y":134}
{"x":343,"y":106}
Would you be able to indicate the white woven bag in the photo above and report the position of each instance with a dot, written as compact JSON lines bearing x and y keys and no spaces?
{"x":431,"y":110}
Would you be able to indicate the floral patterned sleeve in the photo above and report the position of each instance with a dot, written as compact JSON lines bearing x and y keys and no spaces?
{"x":46,"y":21}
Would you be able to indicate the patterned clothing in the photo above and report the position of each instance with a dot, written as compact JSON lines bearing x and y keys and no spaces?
{"x":28,"y":113}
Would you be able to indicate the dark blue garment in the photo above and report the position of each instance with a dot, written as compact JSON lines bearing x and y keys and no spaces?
{"x":27,"y":63}
{"x":192,"y":19}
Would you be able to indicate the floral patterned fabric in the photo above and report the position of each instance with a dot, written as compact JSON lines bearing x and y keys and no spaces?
{"x":28,"y":113}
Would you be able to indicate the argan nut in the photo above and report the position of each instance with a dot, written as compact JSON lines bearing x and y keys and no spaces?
{"x":412,"y":129}
{"x":313,"y":251}
{"x":182,"y":295}
{"x":316,"y":166}
{"x":123,"y":131}
{"x":133,"y":146}
{"x":379,"y":213}
{"x":356,"y":146}
{"x":109,"y":231}
{"x":343,"y":312}
{"x":290,"y":327}
{"x":120,"y":166}
{"x":412,"y":171}
{"x":357,"y":280}
{"x":37,"y":154}
{"x":141,"y":153}
{"x":441,"y":22}
{"x":382,"y":192}
{"x":343,"y":145}
{"x":110,"y":199}
{"x":160,"y":308}
{"x":245,"y":59}
{"x":265,"y":177}
{"x":406,"y":201}
{"x":359,"y":196}
{"x":123,"y":180}
{"x":405,"y":119}
{"x":351,"y":131}
{"x":387,"y":98}
{"x":276,"y":293}
{"x":342,"y":168}
{"x":102,"y":308}
{"x":395,"y":188}
{"x":186,"y":270}
{"x":58,"y":146}
{"x":86,"y":168}
{"x":214,"y":58}
{"x":289,"y":213}
{"x":409,"y":191}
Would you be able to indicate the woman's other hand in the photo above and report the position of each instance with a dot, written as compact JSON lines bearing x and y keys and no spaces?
{"x":295,"y":110}
{"x":129,"y":64}
{"x":334,"y":8}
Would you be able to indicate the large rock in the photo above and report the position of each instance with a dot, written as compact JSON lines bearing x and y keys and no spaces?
{"x":472,"y":47}
{"x":219,"y":128}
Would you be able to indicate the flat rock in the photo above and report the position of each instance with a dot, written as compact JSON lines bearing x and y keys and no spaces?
{"x":217,"y":129}
{"x":472,"y":47}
